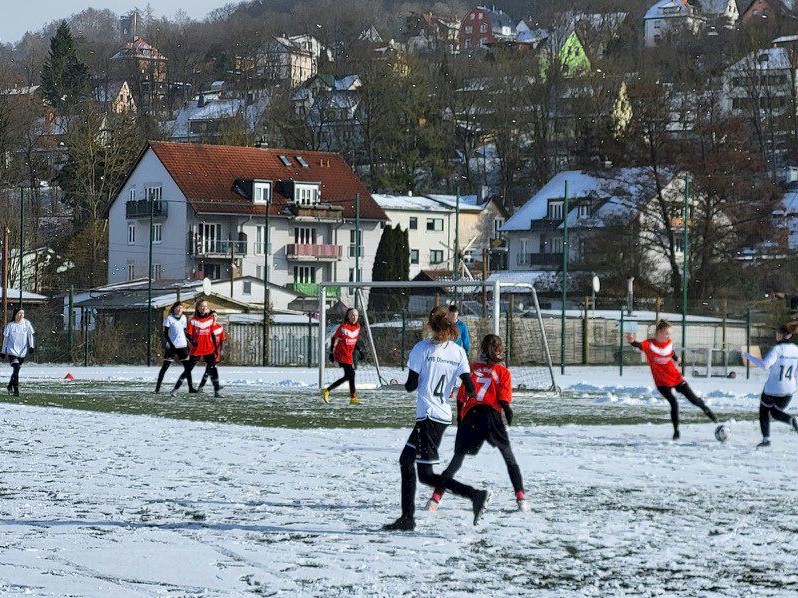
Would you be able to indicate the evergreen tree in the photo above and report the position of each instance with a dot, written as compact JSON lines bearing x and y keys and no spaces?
{"x":64,"y":77}
{"x":379,"y":298}
{"x":391,"y":263}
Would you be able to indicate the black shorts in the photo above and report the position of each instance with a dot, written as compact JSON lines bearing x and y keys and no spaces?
{"x":425,"y":439}
{"x":176,"y":354}
{"x":480,"y":424}
{"x":14,"y":359}
{"x":777,"y":402}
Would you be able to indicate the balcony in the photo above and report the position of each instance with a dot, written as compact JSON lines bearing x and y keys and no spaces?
{"x":220,"y":249}
{"x":321,"y":213}
{"x":545,"y":224}
{"x":141,"y":208}
{"x":311,"y":289}
{"x":541,"y":259}
{"x":312,"y":253}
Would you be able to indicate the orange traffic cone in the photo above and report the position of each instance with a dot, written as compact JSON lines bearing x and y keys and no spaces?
{"x":69,"y":377}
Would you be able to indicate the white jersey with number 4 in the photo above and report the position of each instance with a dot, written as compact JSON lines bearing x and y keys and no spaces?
{"x":782,"y":363}
{"x":177,"y":330}
{"x":438,"y":366}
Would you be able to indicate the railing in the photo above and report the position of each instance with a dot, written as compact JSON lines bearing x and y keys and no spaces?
{"x":214,"y":247}
{"x":300,"y":251}
{"x":140,"y":208}
{"x":546,"y":224}
{"x":319,"y":212}
{"x":541,"y":259}
{"x":311,"y":289}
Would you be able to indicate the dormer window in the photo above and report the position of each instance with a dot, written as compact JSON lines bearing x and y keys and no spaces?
{"x":261,"y":192}
{"x":555,"y":211}
{"x":306,"y":194}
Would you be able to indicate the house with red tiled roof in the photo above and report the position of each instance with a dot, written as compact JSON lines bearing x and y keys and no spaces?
{"x":208,"y":207}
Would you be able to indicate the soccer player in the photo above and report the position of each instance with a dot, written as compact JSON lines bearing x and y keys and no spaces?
{"x":480,"y":418}
{"x":463,"y":340}
{"x":212,"y":371}
{"x":782,"y":365}
{"x":200,"y":338}
{"x":662,"y":360}
{"x":434,"y":366}
{"x":18,"y":342}
{"x":344,"y":343}
{"x":174,"y":336}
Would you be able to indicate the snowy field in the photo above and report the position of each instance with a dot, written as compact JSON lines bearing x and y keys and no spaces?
{"x":128,"y":494}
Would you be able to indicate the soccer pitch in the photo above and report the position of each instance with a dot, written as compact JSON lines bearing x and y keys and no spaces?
{"x":109,"y":490}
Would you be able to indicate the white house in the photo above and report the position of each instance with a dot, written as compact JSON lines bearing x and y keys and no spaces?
{"x":669,"y":17}
{"x":760,"y":80}
{"x":208,"y":206}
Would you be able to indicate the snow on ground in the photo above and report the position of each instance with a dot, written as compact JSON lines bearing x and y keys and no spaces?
{"x":98,"y":504}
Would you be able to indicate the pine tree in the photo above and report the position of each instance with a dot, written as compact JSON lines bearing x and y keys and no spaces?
{"x":378,"y":298}
{"x":64,"y":77}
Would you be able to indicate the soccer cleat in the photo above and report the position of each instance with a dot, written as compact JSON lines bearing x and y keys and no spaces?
{"x":677,"y":435}
{"x":354,"y":401}
{"x":217,"y":394}
{"x":479,"y":504}
{"x":16,"y":391}
{"x":522,"y":505}
{"x":764,"y":444}
{"x":192,"y":391}
{"x":173,"y":394}
{"x":325,"y":395}
{"x":432,"y":505}
{"x":794,"y":423}
{"x":403,"y":524}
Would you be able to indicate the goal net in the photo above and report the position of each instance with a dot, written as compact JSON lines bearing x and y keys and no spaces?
{"x":393,"y":318}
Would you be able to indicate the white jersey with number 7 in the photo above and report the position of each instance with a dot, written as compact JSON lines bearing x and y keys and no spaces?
{"x":438,"y":366}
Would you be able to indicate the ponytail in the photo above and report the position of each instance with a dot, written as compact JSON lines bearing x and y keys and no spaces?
{"x":492,"y":349}
{"x":442,"y":329}
{"x":788,"y":328}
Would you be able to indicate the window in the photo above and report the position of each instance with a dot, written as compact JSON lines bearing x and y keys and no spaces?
{"x":305,"y":274}
{"x":157,"y":232}
{"x":479,"y":16}
{"x":498,"y":223}
{"x":467,"y":44}
{"x":435,"y":224}
{"x":469,"y":29}
{"x":211,"y":241}
{"x":157,"y":272}
{"x":131,"y":271}
{"x":259,"y":272}
{"x":131,"y":234}
{"x":555,"y":210}
{"x":153,"y":193}
{"x":131,"y":195}
{"x":304,"y":235}
{"x":521,"y":258}
{"x":353,"y":244}
{"x":678,"y":243}
{"x":306,"y":195}
{"x":285,"y":160}
{"x":556,"y":245}
{"x":302,"y":162}
{"x":483,"y":28}
{"x":483,"y":41}
{"x":413,"y":223}
{"x":414,"y":256}
{"x":471,"y":16}
{"x":260,"y":241}
{"x":212,"y":271}
{"x":247,"y":287}
{"x":352,"y":275}
{"x":436,"y":256}
{"x":583,"y":211}
{"x":262,"y":193}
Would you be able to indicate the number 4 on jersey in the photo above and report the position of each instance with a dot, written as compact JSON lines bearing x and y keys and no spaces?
{"x":438,"y":392}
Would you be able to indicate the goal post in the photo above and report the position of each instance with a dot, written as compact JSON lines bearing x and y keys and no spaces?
{"x":388,"y":333}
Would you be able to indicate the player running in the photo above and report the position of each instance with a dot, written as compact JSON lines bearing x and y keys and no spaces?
{"x":662,"y":360}
{"x":479,"y":418}
{"x":18,"y":342}
{"x":200,"y":338}
{"x":434,"y":366}
{"x":344,"y":343}
{"x":212,"y":371}
{"x":174,"y":336}
{"x":782,"y":363}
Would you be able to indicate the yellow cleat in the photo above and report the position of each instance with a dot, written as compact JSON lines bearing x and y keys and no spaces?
{"x":325,"y":395}
{"x":354,"y":401}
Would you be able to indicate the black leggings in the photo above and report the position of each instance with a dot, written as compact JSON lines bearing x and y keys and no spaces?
{"x":509,"y":460}
{"x":349,"y":375}
{"x":16,"y":364}
{"x":684,"y":389}
{"x":770,"y":406}
{"x":186,"y":373}
{"x":212,"y":371}
{"x":426,"y":476}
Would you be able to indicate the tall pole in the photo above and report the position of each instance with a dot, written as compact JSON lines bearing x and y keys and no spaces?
{"x":265,"y":240}
{"x":685,"y":273}
{"x":357,"y":237}
{"x":149,"y":287}
{"x":748,"y":342}
{"x":232,"y":267}
{"x":70,"y":322}
{"x":456,"y":268}
{"x":5,"y":275}
{"x":21,"y":240}
{"x":564,"y":279}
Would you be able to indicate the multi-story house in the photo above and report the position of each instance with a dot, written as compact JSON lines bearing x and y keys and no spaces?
{"x":293,"y":60}
{"x":767,"y":11}
{"x":332,"y":110}
{"x":668,"y":18}
{"x":431,"y":33}
{"x":208,"y":206}
{"x":483,"y":26}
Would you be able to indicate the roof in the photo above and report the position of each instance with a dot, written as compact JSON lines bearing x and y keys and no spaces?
{"x":765,"y":59}
{"x":715,"y":7}
{"x":27,"y":296}
{"x":516,"y":277}
{"x":497,"y":18}
{"x":468,"y":203}
{"x":416,"y":203}
{"x":138,"y":48}
{"x":614,"y":188}
{"x":780,"y":6}
{"x":206,"y":175}
{"x":669,"y":9}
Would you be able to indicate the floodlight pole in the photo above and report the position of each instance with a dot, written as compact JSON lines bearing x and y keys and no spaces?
{"x":265,"y":240}
{"x":564,"y":280}
{"x":21,"y":241}
{"x":357,"y":237}
{"x":685,"y":274}
{"x":149,"y":286}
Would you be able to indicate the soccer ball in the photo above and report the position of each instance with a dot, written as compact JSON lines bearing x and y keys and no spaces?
{"x":722,"y":433}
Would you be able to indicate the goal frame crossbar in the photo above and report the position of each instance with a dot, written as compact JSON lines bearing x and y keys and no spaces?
{"x":494,"y":286}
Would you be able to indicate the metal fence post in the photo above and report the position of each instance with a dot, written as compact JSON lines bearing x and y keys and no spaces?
{"x":310,"y":340}
{"x":620,"y":344}
{"x":748,"y":342}
{"x":404,"y":332}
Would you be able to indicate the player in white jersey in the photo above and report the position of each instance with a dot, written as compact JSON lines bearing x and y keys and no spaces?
{"x":175,"y":341}
{"x":18,"y":343}
{"x":434,"y":366}
{"x":782,"y":365}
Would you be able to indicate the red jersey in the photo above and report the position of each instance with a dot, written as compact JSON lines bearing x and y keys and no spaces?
{"x":346,"y":335}
{"x":219,"y":337}
{"x":660,"y":360}
{"x":493,"y":383}
{"x":199,"y":330}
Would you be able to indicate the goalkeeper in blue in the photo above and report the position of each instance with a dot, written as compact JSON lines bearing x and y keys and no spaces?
{"x":782,"y":365}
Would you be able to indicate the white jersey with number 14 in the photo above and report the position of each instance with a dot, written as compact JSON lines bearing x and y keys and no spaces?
{"x":438,"y":366}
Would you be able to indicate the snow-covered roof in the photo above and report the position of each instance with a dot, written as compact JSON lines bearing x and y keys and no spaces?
{"x":669,"y":9}
{"x":215,"y":110}
{"x":616,"y":190}
{"x":517,"y":277}
{"x":468,"y":203}
{"x":13,"y":295}
{"x":765,"y":59}
{"x":417,"y":203}
{"x":716,"y":7}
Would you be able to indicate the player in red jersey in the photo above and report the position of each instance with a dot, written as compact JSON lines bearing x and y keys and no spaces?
{"x":344,"y":343}
{"x":662,"y":360}
{"x":200,"y":339}
{"x":211,"y":368}
{"x":479,"y":418}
